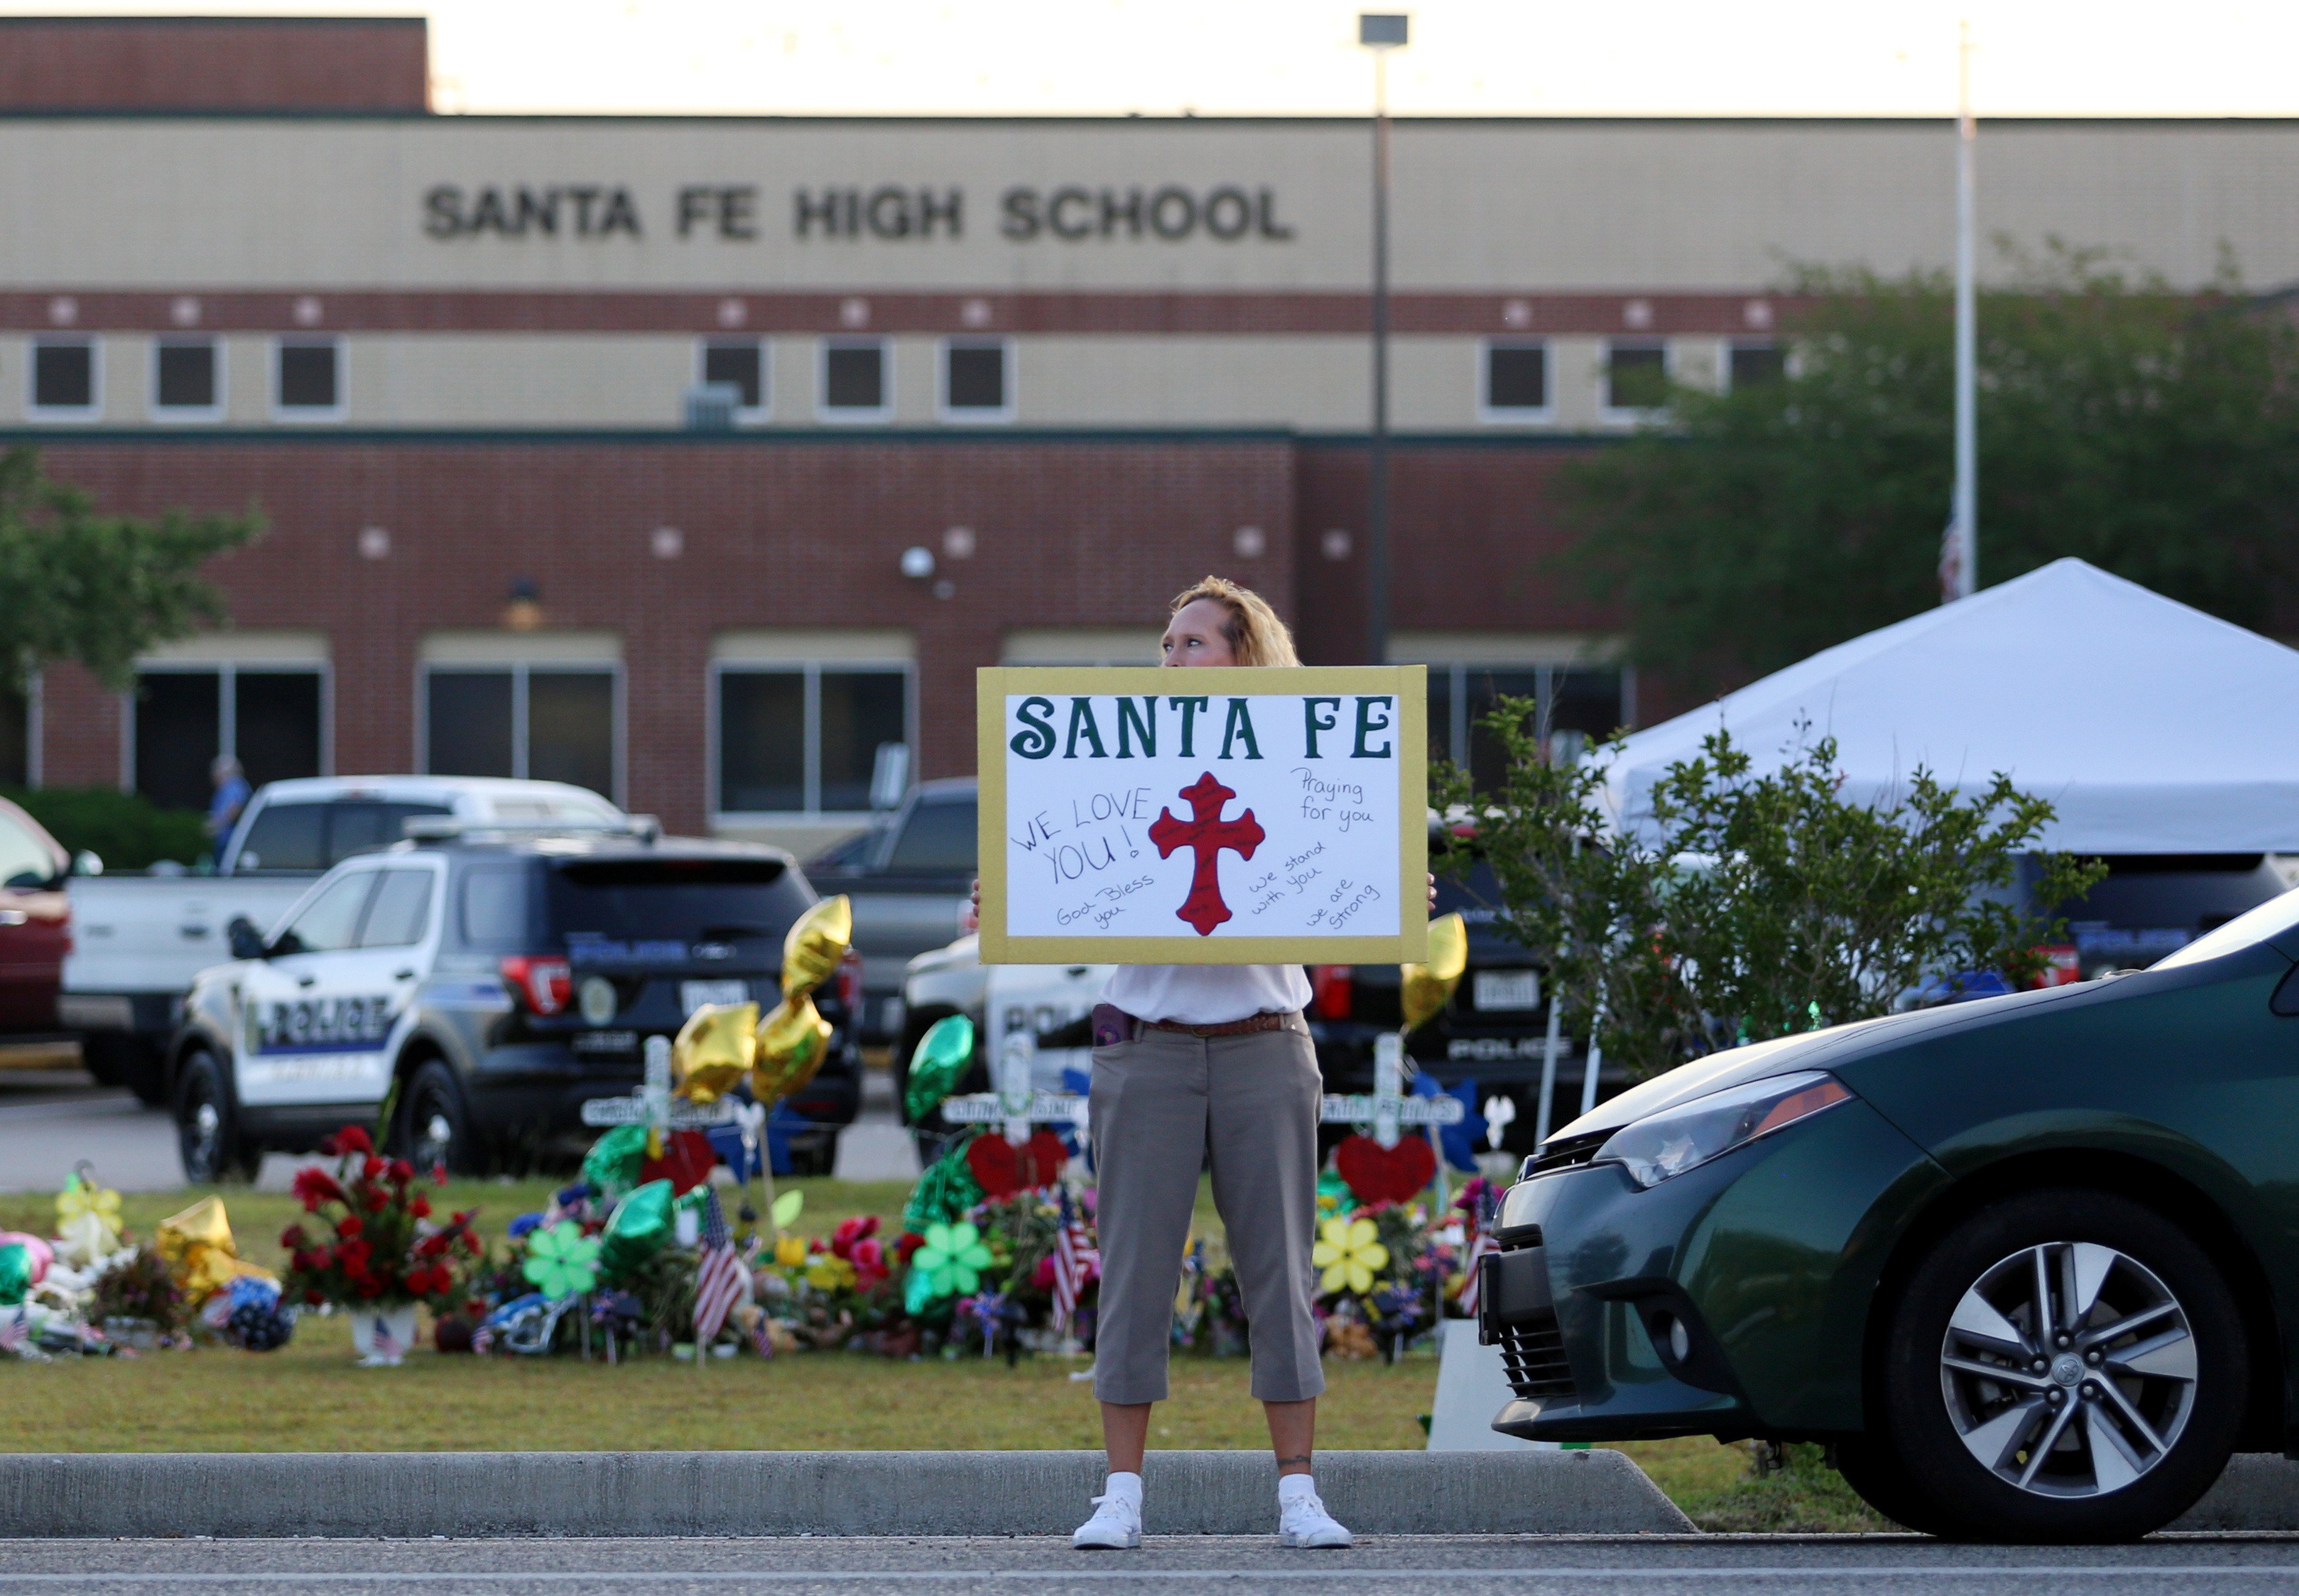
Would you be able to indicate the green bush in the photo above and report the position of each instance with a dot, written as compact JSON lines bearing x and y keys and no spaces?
{"x":127,"y":832}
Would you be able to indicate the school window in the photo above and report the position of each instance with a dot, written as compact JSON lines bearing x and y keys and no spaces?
{"x":808,"y":738}
{"x":1516,"y":379}
{"x":186,"y":374}
{"x":538,"y":723}
{"x":307,"y":379}
{"x":1636,"y":377}
{"x":1573,"y":706}
{"x":269,"y":718}
{"x":64,"y":382}
{"x":740,"y":364}
{"x":855,"y":380}
{"x":977,"y":379}
{"x":15,"y":737}
{"x":1752,"y":365}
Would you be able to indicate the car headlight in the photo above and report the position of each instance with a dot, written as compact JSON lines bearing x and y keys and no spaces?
{"x":1689,"y":1135}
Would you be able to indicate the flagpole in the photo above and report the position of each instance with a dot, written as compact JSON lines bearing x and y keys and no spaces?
{"x":1964,"y":572}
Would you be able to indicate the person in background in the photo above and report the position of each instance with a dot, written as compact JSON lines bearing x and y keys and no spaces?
{"x":231,"y":795}
{"x":1196,"y":1065}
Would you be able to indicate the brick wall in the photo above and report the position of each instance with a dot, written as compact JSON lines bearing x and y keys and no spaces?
{"x":804,"y":535}
{"x":214,"y":63}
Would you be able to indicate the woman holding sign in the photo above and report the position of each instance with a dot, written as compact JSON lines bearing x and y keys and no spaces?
{"x":1196,"y":1064}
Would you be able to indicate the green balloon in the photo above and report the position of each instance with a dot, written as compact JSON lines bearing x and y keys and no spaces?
{"x":637,"y":1229}
{"x":613,"y":1163}
{"x":938,"y":1065}
{"x":944,"y":1192}
{"x":15,"y":1272}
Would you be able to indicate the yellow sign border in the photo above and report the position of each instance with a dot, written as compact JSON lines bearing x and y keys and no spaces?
{"x":1409,"y":683}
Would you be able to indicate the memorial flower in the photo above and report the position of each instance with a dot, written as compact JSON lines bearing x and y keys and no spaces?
{"x":1349,"y":1252}
{"x":380,"y":1245}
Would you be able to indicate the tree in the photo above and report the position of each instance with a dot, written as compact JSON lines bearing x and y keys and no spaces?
{"x":1755,"y":904}
{"x":2155,"y":434}
{"x":98,"y":589}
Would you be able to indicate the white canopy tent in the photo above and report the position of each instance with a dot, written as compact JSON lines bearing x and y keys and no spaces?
{"x":2151,"y":727}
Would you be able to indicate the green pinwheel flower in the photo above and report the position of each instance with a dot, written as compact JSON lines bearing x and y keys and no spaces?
{"x":950,"y":1265}
{"x":561,"y":1261}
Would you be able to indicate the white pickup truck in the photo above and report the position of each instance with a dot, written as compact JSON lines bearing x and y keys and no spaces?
{"x":137,"y":940}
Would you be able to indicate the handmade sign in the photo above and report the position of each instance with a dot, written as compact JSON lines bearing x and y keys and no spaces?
{"x":1241,"y":816}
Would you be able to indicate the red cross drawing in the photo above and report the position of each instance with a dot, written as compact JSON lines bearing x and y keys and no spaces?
{"x":1207,"y":834}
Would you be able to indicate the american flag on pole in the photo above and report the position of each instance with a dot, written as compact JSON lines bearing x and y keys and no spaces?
{"x":718,"y":1282}
{"x":1073,"y":1257}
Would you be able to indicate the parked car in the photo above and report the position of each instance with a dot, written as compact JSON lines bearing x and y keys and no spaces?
{"x":141,"y":938}
{"x":908,"y":878}
{"x":2026,"y":1264}
{"x":1050,"y":1004}
{"x":485,"y":986}
{"x":35,"y":922}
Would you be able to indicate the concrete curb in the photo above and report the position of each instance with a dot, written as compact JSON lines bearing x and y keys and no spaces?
{"x":782,"y":1494}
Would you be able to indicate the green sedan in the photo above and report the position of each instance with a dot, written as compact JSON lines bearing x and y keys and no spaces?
{"x":2030,"y":1266}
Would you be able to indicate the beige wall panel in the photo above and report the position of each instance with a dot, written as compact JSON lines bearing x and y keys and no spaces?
{"x":917,"y":380}
{"x":1530,"y":204}
{"x":246,"y":379}
{"x":1179,"y":380}
{"x":520,"y":380}
{"x":15,"y":378}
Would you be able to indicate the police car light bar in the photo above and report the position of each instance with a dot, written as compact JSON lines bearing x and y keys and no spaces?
{"x":441,"y":828}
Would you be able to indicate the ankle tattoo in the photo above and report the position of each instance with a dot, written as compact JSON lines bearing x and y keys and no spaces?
{"x":1300,"y":1457}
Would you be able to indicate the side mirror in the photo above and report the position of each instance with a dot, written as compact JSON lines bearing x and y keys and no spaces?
{"x":87,"y":863}
{"x":246,"y":940}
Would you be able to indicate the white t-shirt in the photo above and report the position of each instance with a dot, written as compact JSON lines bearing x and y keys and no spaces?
{"x":1207,"y":994}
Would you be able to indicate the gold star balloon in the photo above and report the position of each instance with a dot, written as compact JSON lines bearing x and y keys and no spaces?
{"x":818,"y":940}
{"x":793,"y":1042}
{"x":1427,"y":988}
{"x":713,"y":1049}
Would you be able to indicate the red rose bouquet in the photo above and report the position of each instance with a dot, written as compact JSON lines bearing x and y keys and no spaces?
{"x":382,"y":1246}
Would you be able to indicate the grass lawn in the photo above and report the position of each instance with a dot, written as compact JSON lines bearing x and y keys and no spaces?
{"x":309,"y":1397}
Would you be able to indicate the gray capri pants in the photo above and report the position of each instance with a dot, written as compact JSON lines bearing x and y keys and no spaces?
{"x":1160,"y":1104}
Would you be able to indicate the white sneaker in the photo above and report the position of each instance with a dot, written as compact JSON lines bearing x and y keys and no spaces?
{"x":1302,"y":1520}
{"x":1116,"y":1525}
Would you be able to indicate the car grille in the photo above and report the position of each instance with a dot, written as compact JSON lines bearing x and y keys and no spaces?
{"x":1533,"y":1352}
{"x":1566,"y":1152}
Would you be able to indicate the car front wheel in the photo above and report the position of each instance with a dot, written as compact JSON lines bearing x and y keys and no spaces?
{"x":207,"y":1135}
{"x":435,"y":1123}
{"x":2065,"y":1366}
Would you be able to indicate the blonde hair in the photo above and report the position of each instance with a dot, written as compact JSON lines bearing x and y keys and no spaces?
{"x":1256,"y":634}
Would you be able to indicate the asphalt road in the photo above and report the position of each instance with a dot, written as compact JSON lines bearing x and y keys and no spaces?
{"x":52,"y":1116}
{"x":1391,"y":1565}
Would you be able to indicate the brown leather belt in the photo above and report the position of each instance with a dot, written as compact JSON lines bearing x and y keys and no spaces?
{"x":1252,"y":1025}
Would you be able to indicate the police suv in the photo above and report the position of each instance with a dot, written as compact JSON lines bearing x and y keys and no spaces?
{"x":479,"y":986}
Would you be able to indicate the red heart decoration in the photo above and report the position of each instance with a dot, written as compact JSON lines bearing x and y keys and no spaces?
{"x":1378,"y":1174}
{"x":1002,"y":1168}
{"x":1046,"y":1155}
{"x":996,"y":1163}
{"x":686,"y":1163}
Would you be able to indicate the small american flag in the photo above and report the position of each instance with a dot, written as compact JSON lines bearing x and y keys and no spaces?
{"x":1074,"y":1256}
{"x":718,"y":1281}
{"x":15,"y":1332}
{"x":1479,"y":1250}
